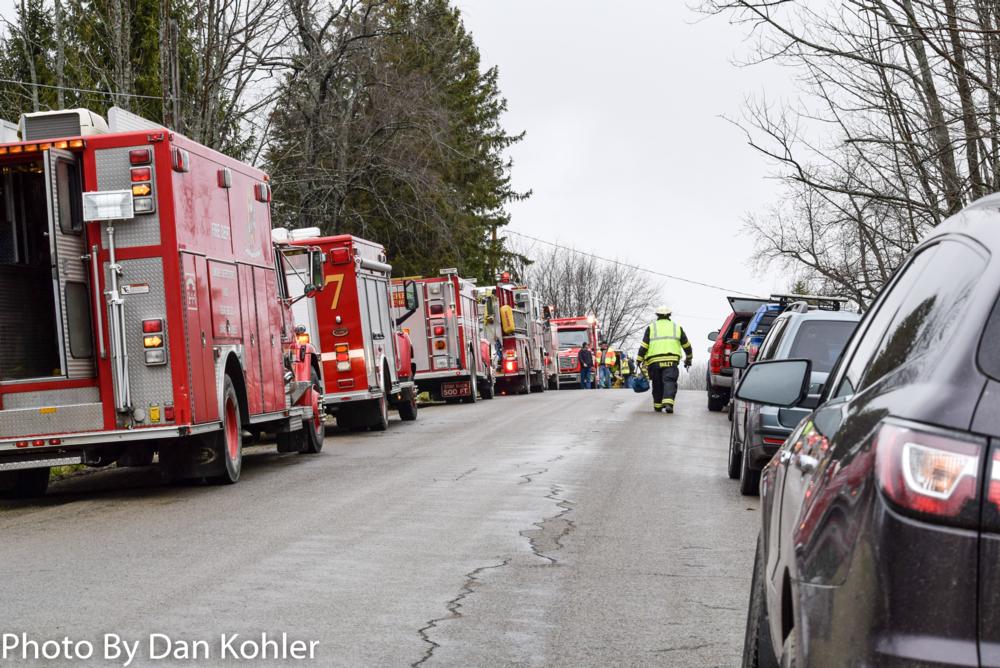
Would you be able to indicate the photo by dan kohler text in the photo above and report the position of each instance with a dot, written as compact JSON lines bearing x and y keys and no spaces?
{"x":118,"y":650}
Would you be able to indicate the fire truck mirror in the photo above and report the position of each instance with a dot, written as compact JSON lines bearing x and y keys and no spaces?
{"x":410,"y":291}
{"x":316,"y":260}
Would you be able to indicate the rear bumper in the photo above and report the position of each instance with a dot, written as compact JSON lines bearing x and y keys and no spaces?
{"x":77,"y":440}
{"x":334,"y":399}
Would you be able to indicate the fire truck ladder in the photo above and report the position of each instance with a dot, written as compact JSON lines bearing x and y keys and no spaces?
{"x":116,"y":330}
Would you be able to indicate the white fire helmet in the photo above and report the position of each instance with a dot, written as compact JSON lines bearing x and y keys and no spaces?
{"x":664,"y":309}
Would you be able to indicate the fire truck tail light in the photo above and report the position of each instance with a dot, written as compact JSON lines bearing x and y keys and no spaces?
{"x":140,"y":156}
{"x":142,"y":205}
{"x":156,"y":356}
{"x":21,"y":444}
{"x":76,"y":143}
{"x":141,"y":174}
{"x":440,"y":345}
{"x":55,"y":441}
{"x":340,"y":256}
{"x":437,"y":309}
{"x":38,"y":442}
{"x":168,"y":413}
{"x":439,"y":331}
{"x":153,"y":341}
{"x":343,"y":353}
{"x":511,"y":366}
{"x":16,"y":149}
{"x":141,"y":190}
{"x":152,"y":326}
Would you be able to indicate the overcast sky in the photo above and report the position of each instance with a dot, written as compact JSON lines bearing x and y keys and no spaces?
{"x":626,"y":149}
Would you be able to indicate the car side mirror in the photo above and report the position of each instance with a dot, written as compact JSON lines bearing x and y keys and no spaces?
{"x":713,"y":336}
{"x":783,"y":383}
{"x":739,"y":359}
{"x":316,"y":260}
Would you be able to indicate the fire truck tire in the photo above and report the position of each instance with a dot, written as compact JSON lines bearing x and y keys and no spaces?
{"x":472,"y":398}
{"x":314,"y":429}
{"x":229,"y":442}
{"x":380,"y":407}
{"x":24,"y":484}
{"x":487,"y":390}
{"x":408,"y":406}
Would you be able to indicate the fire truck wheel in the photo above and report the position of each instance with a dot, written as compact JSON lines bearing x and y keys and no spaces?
{"x":314,"y":428}
{"x":24,"y":484}
{"x":380,"y":406}
{"x":408,"y":406}
{"x":487,"y":390}
{"x":229,"y":442}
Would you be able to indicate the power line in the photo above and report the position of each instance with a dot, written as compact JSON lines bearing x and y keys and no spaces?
{"x":86,"y":90}
{"x":631,"y":266}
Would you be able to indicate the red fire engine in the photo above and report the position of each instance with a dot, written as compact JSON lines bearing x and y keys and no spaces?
{"x":367,"y":362}
{"x":452,"y":360}
{"x":515,"y":320}
{"x":141,"y":309}
{"x":571,"y":333}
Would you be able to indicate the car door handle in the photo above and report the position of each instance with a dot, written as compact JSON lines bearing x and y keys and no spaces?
{"x":805,"y":463}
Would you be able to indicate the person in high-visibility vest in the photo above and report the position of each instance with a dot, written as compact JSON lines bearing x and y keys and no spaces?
{"x":662,"y":347}
{"x":625,"y":368}
{"x":606,"y":360}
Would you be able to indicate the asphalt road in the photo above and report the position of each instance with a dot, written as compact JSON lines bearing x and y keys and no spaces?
{"x":571,"y":528}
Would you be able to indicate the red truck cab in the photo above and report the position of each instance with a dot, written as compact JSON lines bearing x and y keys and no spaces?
{"x":571,"y":334}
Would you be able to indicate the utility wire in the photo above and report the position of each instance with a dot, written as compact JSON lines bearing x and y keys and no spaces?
{"x":86,"y":90}
{"x":631,"y":266}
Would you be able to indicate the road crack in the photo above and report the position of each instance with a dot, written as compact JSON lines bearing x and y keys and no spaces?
{"x":530,"y":477}
{"x":465,"y":474}
{"x":453,"y":607}
{"x":551,"y":531}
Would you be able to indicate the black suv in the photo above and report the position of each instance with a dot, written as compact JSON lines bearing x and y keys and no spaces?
{"x":880,"y":537}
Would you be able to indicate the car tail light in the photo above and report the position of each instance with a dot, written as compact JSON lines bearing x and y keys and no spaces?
{"x":931,"y":474}
{"x":140,"y":156}
{"x":773,"y":441}
{"x":715,"y":361}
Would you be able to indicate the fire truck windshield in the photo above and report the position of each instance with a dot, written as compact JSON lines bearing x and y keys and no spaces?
{"x":573,"y":338}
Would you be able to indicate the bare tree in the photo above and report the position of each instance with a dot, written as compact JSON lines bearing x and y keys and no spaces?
{"x":618,"y":295}
{"x":898,"y":128}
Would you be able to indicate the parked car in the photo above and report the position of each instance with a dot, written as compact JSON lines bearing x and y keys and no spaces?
{"x":880,"y":536}
{"x":725,"y":340}
{"x":758,"y":431}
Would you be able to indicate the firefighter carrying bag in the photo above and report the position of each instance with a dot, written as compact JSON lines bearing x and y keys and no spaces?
{"x":640,"y":384}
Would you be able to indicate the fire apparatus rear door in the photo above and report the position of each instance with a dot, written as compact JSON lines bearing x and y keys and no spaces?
{"x":71,"y":278}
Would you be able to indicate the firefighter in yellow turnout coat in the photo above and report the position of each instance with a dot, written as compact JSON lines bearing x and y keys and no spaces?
{"x":662,"y":347}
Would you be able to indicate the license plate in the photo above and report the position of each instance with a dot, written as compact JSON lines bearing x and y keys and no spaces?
{"x":449,"y":390}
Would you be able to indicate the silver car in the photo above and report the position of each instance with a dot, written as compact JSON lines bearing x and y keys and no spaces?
{"x":758,"y":431}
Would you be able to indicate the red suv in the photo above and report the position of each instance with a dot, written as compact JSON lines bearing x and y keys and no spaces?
{"x":725,"y":341}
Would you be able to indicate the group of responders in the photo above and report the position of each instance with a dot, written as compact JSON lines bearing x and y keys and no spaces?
{"x":114,"y":649}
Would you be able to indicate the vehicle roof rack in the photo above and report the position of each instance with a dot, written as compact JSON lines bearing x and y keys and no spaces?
{"x":802,"y":303}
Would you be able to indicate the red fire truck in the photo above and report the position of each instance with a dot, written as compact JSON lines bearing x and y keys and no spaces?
{"x":571,"y":334}
{"x":142,"y":310}
{"x":448,"y":352}
{"x":367,"y":362}
{"x":515,"y":321}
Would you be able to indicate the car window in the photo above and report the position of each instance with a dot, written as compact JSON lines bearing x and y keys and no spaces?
{"x":920,"y":312}
{"x":821,"y":341}
{"x":877,"y":322}
{"x":989,"y":352}
{"x":930,"y":312}
{"x":772,"y":340}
